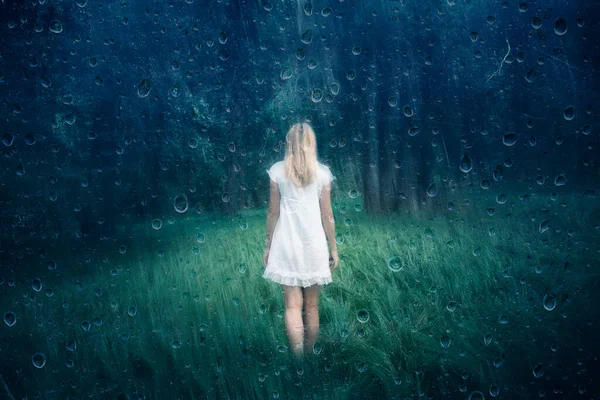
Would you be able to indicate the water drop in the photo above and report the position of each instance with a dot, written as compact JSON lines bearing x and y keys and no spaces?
{"x":317,"y":348}
{"x":8,"y":139}
{"x":538,"y":370}
{"x":509,"y":139}
{"x":560,"y":26}
{"x":487,"y":339}
{"x":569,"y":113}
{"x":317,"y":95}
{"x":56,"y":26}
{"x":45,"y":81}
{"x":497,"y":174}
{"x":445,"y":341}
{"x":494,"y":390}
{"x":476,"y":395}
{"x":223,"y":55}
{"x":39,"y":360}
{"x":71,"y":346}
{"x":395,"y":264}
{"x":308,"y":8}
{"x":176,"y":90}
{"x":413,"y":130}
{"x":156,"y":224}
{"x":362,"y":315}
{"x":532,"y":141}
{"x":144,"y":88}
{"x":36,"y":284}
{"x":549,"y":302}
{"x":432,"y":190}
{"x":334,"y":88}
{"x":466,"y":164}
{"x":560,"y":180}
{"x":306,"y":37}
{"x":286,"y":73}
{"x":586,"y":129}
{"x":10,"y":318}
{"x":180,"y":203}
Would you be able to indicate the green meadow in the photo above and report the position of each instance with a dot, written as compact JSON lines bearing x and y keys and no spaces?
{"x":467,"y":302}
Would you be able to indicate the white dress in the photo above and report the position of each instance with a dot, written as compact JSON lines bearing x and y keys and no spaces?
{"x":299,"y":255}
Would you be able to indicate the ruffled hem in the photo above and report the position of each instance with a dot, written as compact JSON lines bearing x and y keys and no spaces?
{"x":295,"y":281}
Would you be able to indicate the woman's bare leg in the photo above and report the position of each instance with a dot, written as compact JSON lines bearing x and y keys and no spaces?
{"x":311,"y":315}
{"x":292,"y":296}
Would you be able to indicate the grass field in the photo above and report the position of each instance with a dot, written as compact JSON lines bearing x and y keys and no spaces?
{"x":422,"y":305}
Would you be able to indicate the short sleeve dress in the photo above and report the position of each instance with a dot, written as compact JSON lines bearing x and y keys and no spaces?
{"x":299,"y":255}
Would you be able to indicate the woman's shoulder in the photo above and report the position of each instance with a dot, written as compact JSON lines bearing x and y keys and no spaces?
{"x":277,"y":164}
{"x":323,"y":167}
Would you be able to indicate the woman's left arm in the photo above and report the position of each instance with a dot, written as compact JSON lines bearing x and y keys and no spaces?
{"x":272,"y":217}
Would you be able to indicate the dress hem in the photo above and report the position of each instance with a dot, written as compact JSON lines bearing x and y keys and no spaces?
{"x":295,"y":281}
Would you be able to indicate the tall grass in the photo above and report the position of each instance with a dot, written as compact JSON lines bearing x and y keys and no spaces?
{"x":175,"y":318}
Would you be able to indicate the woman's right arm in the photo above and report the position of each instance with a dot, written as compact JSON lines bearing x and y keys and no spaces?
{"x":328,"y":221}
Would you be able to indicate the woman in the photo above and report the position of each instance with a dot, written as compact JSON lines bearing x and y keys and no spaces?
{"x":299,"y":224}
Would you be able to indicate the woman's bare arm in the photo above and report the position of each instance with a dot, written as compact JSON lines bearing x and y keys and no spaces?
{"x":327,"y":216}
{"x":272,"y":213}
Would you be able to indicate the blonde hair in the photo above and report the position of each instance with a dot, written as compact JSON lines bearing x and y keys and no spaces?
{"x":300,"y":163}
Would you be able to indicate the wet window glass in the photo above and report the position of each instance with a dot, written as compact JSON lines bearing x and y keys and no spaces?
{"x":298,"y":199}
